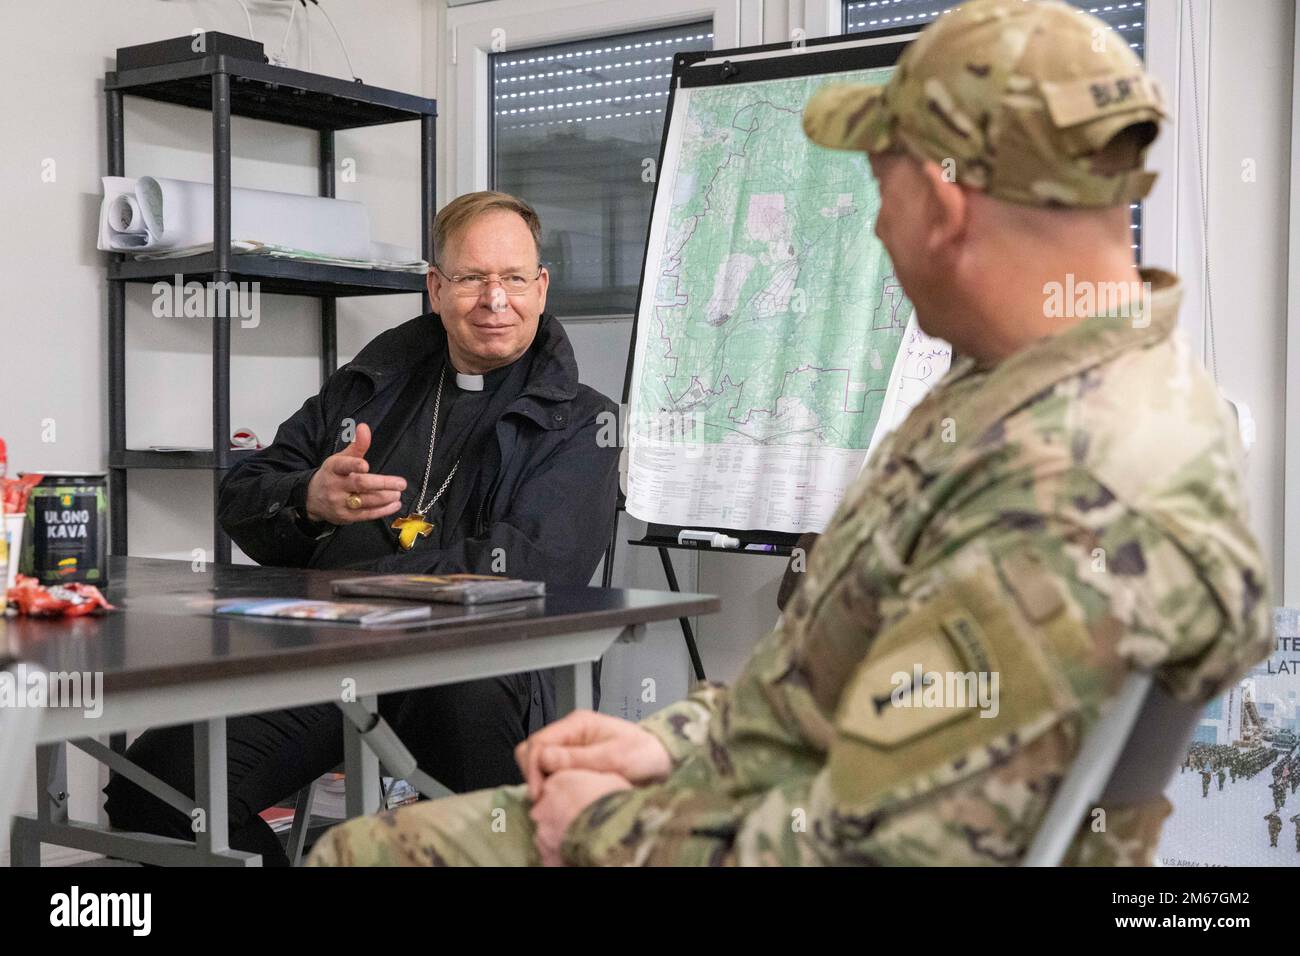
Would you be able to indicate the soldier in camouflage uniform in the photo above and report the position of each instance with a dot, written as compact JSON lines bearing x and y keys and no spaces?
{"x":1296,"y":820}
{"x":1274,"y":827}
{"x":1054,"y":516}
{"x":1205,"y":783}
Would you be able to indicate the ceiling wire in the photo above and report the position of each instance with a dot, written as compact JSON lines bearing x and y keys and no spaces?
{"x":247,"y":17}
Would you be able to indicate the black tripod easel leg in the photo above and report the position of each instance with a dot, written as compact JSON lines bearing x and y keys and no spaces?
{"x":687,"y":633}
{"x":607,"y":571}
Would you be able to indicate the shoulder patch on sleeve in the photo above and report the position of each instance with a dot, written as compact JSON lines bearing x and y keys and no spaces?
{"x":957,"y":675}
{"x":904,"y":693}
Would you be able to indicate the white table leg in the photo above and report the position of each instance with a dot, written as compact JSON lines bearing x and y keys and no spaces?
{"x":360,"y":768}
{"x":573,"y":688}
{"x":211,"y":788}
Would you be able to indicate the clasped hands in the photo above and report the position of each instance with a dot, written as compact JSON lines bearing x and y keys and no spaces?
{"x":575,"y":761}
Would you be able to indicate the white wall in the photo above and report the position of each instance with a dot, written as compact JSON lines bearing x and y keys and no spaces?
{"x":54,"y":275}
{"x":1291,"y":530}
{"x":1252,"y":56}
{"x":53,"y":363}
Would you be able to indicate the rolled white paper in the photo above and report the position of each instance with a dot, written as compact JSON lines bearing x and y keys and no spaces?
{"x":168,"y":214}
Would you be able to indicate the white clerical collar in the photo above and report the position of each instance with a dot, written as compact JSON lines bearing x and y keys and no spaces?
{"x":469,"y":383}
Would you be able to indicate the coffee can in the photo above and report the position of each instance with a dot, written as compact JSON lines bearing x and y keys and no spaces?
{"x":67,"y":529}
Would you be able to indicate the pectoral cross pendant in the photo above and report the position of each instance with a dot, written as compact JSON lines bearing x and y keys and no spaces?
{"x":408,"y":527}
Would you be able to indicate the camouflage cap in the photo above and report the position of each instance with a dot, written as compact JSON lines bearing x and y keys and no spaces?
{"x":1020,"y":96}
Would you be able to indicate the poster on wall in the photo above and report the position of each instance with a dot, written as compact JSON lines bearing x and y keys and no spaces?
{"x":1235,"y":796}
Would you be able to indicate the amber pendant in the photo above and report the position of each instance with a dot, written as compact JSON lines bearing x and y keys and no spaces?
{"x":408,"y":527}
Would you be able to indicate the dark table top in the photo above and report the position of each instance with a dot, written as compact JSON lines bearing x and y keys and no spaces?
{"x":162,"y":634}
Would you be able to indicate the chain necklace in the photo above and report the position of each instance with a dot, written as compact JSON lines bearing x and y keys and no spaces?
{"x":413,"y":524}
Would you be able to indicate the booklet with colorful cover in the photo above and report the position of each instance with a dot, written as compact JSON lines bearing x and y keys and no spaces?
{"x":442,"y":588}
{"x":336,"y":612}
{"x":1235,"y":796}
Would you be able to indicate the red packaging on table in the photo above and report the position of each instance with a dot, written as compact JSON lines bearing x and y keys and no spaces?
{"x":61,"y":600}
{"x":16,"y":492}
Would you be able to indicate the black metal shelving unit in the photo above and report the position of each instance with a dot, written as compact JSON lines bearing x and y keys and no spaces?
{"x":227,"y":86}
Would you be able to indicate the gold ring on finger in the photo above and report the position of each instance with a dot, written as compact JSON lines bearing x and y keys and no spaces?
{"x":354,"y":502}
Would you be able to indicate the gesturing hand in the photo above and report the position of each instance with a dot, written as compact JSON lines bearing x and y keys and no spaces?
{"x":345,"y":474}
{"x":586,"y":740}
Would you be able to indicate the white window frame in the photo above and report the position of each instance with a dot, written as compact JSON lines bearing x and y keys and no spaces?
{"x":1172,"y":233}
{"x":821,"y":18}
{"x":471,"y":31}
{"x":1291,"y":422}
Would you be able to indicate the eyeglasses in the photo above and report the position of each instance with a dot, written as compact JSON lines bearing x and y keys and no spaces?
{"x":474,"y":284}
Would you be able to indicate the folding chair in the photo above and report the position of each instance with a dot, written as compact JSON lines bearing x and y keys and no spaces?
{"x":1127,"y":758}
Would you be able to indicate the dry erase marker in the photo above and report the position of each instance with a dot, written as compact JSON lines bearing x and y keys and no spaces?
{"x":713,"y":539}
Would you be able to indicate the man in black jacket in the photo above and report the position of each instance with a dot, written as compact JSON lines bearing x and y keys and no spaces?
{"x":458,"y":441}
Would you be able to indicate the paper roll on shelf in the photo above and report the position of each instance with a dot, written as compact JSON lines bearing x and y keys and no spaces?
{"x":124,"y":216}
{"x":154,"y":215}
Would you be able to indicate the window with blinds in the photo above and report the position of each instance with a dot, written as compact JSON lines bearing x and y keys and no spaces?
{"x":575,"y":132}
{"x":1127,"y":18}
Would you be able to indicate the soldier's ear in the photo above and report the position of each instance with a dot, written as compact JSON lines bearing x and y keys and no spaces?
{"x":947,"y":208}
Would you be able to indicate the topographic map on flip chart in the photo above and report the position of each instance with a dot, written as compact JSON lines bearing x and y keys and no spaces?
{"x":774,"y":344}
